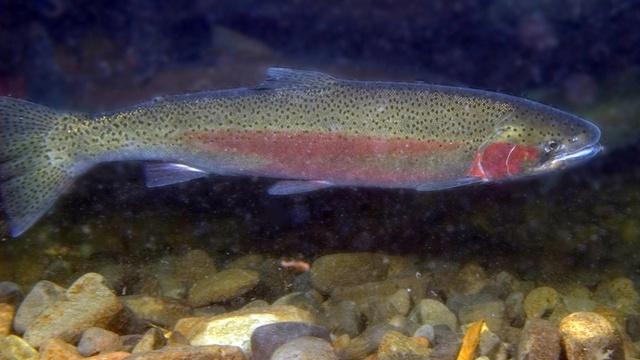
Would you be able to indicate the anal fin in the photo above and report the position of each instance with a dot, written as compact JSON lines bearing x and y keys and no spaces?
{"x":162,"y":174}
{"x":288,"y":187}
{"x":448,"y":184}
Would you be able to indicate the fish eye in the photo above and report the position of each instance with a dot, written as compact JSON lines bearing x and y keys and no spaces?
{"x":551,"y":145}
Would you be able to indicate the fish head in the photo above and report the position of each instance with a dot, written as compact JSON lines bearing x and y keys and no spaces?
{"x":535,"y":139}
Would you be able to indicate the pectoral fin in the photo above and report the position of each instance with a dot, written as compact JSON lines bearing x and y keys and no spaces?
{"x":288,"y":187}
{"x":162,"y":174}
{"x":447,"y":184}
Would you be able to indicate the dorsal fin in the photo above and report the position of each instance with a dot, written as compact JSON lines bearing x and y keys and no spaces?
{"x":278,"y":78}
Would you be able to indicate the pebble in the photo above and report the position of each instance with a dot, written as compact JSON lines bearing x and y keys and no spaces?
{"x":347,"y":269}
{"x":381,"y":309}
{"x":343,"y":317}
{"x":210,"y":352}
{"x":43,"y":294}
{"x":365,"y":343}
{"x":7,"y":312}
{"x":396,"y":346}
{"x":540,"y":302}
{"x":97,"y":340}
{"x":13,"y":347}
{"x":427,"y":331}
{"x":539,"y":340}
{"x":309,"y":300}
{"x":433,"y":312}
{"x":10,"y":292}
{"x":587,"y":335}
{"x":514,"y":309}
{"x":305,"y":348}
{"x":489,"y":343}
{"x":235,"y":328}
{"x":222,"y":286}
{"x":153,"y":339}
{"x":492,"y":312}
{"x":159,"y":311}
{"x":266,"y":339}
{"x":56,"y":349}
{"x":88,"y":302}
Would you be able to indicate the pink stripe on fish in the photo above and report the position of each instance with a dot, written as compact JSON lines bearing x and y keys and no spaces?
{"x":328,"y":156}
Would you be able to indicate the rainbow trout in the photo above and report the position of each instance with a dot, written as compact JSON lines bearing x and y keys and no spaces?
{"x":308,"y":129}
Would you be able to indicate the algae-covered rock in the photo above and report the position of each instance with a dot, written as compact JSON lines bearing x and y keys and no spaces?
{"x":540,"y":302}
{"x":222,"y":286}
{"x":163,"y":312}
{"x":347,"y":269}
{"x":7,"y":312}
{"x":587,"y":335}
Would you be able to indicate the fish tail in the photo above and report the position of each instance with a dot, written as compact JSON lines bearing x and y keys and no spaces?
{"x":34,"y":171}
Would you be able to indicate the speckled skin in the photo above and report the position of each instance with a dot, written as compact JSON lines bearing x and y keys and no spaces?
{"x":376,"y":134}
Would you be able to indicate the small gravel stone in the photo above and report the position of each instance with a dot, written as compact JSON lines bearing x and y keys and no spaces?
{"x":347,"y":269}
{"x":587,"y":335}
{"x":396,"y":346}
{"x":222,"y":286}
{"x":539,"y":340}
{"x":365,"y":343}
{"x":491,"y":312}
{"x":97,"y":340}
{"x":381,"y":309}
{"x":305,"y":348}
{"x":56,"y":349}
{"x":540,"y":302}
{"x":514,"y":309}
{"x":343,"y":317}
{"x":210,"y":352}
{"x":151,"y":340}
{"x":7,"y":312}
{"x":489,"y":343}
{"x":15,"y":348}
{"x":10,"y":293}
{"x":310,"y":300}
{"x":426,"y":331}
{"x":43,"y":294}
{"x":88,"y":302}
{"x":266,"y":339}
{"x":433,"y":312}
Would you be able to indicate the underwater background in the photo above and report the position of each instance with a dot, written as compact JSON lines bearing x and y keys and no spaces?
{"x":578,"y":229}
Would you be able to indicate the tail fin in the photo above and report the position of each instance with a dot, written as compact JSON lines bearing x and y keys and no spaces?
{"x":32,"y":175}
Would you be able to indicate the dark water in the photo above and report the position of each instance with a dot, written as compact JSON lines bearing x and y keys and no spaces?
{"x":581,"y":56}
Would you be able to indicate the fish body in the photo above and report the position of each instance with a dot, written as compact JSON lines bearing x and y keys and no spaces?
{"x":306,"y":128}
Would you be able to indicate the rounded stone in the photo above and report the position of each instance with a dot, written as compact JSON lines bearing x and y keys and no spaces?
{"x":347,"y":269}
{"x":305,"y":348}
{"x":587,"y":335}
{"x":97,"y":340}
{"x":433,"y":312}
{"x":222,"y":286}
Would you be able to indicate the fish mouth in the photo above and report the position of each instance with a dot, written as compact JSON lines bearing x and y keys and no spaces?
{"x":565,"y":160}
